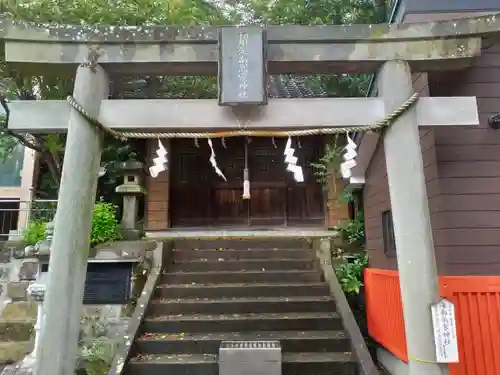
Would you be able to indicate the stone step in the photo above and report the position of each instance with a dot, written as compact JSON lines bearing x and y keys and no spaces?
{"x":180,"y":255}
{"x":242,"y":265}
{"x":241,"y":322}
{"x":241,"y":305}
{"x":331,"y":363}
{"x":241,"y":290}
{"x":242,"y":244}
{"x":206,"y":364}
{"x":196,"y":343}
{"x":241,"y":277}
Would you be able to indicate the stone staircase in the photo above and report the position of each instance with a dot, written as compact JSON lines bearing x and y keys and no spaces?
{"x":241,"y":290}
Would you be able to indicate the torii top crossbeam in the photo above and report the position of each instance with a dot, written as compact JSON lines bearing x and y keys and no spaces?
{"x":289,"y":49}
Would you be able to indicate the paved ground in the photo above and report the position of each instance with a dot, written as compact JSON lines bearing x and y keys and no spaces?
{"x":14,"y":370}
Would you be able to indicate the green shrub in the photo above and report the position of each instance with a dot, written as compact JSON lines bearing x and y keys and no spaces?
{"x":35,"y":232}
{"x":96,"y":356}
{"x":104,"y":224}
{"x":353,"y":232}
{"x":350,"y":275}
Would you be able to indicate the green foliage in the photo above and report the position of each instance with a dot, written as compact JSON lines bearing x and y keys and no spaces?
{"x":43,"y":210}
{"x":351,"y":249}
{"x":353,"y":232}
{"x":104,"y":224}
{"x":97,"y":356}
{"x":350,"y":275}
{"x":325,"y":167}
{"x":35,"y":232}
{"x":117,"y":12}
{"x":97,"y":12}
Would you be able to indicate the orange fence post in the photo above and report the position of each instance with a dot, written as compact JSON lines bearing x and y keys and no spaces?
{"x":385,"y":311}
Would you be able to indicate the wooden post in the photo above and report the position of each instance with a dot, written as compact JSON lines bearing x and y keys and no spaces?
{"x":70,"y":246}
{"x":412,"y":226}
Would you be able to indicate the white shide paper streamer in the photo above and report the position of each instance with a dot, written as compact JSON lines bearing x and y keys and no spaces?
{"x":349,"y":158}
{"x":160,"y":162}
{"x":213,"y":161}
{"x":291,"y":162}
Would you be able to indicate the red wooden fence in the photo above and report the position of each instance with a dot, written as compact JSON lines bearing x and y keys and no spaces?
{"x":477,"y":307}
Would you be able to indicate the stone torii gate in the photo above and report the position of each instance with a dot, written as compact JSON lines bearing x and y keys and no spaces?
{"x":102,"y":52}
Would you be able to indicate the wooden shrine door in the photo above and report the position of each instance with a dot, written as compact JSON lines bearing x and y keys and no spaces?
{"x":200,"y":198}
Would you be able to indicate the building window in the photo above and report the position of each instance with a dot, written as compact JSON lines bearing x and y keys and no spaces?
{"x":11,"y":167}
{"x":9,"y":215}
{"x":388,"y":233}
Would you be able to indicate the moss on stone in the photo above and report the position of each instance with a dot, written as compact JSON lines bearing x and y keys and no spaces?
{"x":19,"y":311}
{"x":16,"y":331}
{"x":11,"y":352}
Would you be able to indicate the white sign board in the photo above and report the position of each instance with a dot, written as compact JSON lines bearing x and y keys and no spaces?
{"x":445,"y":331}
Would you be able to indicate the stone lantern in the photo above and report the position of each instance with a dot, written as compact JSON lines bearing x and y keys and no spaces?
{"x":131,"y":189}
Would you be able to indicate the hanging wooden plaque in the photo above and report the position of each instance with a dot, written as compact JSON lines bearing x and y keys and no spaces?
{"x":242,"y":75}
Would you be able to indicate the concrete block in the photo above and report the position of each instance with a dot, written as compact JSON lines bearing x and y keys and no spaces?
{"x":4,"y":254}
{"x":28,"y":270}
{"x":4,"y":272}
{"x":16,"y":331}
{"x":19,"y":311}
{"x":16,"y":290}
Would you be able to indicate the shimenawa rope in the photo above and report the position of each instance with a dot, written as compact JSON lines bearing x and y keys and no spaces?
{"x":123,"y":136}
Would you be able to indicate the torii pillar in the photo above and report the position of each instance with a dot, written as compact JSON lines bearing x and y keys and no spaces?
{"x":72,"y":226}
{"x":412,"y":225}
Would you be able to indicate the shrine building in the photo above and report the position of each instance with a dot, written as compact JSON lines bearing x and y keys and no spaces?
{"x":426,"y":166}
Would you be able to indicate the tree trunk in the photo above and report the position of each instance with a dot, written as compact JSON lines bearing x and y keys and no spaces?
{"x":54,"y":168}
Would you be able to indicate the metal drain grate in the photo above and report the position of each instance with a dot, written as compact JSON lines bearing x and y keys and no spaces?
{"x":250,"y":345}
{"x":250,"y":358}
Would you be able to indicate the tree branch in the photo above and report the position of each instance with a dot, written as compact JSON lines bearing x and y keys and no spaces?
{"x":22,"y":140}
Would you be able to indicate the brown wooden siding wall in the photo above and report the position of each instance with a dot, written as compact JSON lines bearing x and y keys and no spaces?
{"x":468,"y":222}
{"x":337,"y":210}
{"x":157,"y":198}
{"x":462,"y":170}
{"x":376,"y":191}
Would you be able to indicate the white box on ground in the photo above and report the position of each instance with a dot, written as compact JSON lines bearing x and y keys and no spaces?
{"x":250,"y":358}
